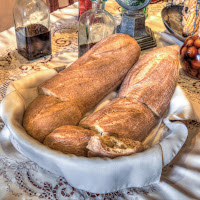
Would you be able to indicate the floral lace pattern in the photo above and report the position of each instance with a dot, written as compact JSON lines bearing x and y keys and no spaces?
{"x":33,"y":181}
{"x":22,"y":178}
{"x":13,"y":66}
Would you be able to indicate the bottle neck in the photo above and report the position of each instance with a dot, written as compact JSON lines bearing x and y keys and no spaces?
{"x":98,"y":4}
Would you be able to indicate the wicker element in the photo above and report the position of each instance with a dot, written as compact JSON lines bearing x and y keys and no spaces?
{"x":71,"y":2}
{"x":191,"y":19}
{"x":53,"y":5}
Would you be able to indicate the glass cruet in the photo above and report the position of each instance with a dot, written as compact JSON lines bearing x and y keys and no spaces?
{"x":32,"y":28}
{"x":94,"y":25}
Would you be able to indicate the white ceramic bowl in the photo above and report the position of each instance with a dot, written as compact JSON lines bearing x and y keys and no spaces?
{"x":97,"y":175}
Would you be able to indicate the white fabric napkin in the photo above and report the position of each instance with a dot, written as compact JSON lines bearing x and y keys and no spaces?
{"x":98,"y":175}
{"x":170,"y":39}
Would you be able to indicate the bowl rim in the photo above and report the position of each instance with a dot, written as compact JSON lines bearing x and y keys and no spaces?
{"x":179,"y":37}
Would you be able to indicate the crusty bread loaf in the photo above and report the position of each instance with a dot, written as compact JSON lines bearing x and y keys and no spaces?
{"x":145,"y":92}
{"x":46,"y":113}
{"x":70,"y":140}
{"x":118,"y":128}
{"x":96,"y":73}
{"x":81,"y":86}
{"x":122,"y":117}
{"x":109,"y":146}
{"x":153,"y":79}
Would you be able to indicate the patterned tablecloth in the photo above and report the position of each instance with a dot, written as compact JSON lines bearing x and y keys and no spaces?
{"x":21,"y":178}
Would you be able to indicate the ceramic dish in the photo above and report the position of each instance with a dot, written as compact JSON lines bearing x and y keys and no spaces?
{"x":172,"y":18}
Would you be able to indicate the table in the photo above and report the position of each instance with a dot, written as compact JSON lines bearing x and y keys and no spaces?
{"x":21,"y":178}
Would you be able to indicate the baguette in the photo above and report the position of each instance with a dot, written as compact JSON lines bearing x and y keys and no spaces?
{"x":118,"y":128}
{"x":83,"y":142}
{"x":46,"y":113}
{"x":81,"y":86}
{"x":70,"y":140}
{"x":143,"y":97}
{"x":123,"y":118}
{"x":96,"y":73}
{"x":109,"y":146}
{"x":153,"y":79}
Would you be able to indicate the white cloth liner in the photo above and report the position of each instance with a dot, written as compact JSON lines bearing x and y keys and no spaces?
{"x":97,"y":175}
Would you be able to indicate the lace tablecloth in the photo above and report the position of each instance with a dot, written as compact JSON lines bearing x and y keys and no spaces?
{"x":21,"y":178}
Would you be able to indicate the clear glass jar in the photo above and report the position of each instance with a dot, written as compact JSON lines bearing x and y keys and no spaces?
{"x":190,"y":56}
{"x":32,"y":28}
{"x":94,"y":25}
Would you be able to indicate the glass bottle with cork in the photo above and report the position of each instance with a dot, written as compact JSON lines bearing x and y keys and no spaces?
{"x":94,"y":25}
{"x":32,"y":28}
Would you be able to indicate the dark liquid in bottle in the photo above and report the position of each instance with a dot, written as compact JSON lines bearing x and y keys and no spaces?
{"x":33,"y":41}
{"x":84,"y":48}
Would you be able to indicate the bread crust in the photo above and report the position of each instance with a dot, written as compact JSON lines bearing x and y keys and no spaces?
{"x":143,"y":97}
{"x":70,"y":140}
{"x":123,"y":118}
{"x":75,"y":90}
{"x":46,"y":113}
{"x":96,"y":73}
{"x":126,"y":121}
{"x":153,"y":79}
{"x":109,"y":146}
